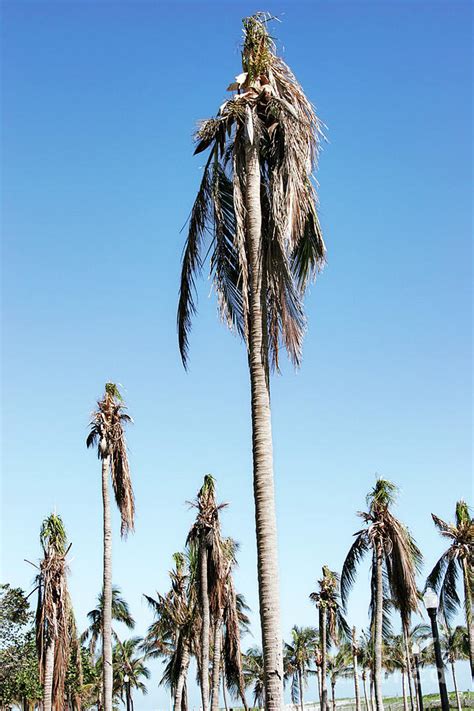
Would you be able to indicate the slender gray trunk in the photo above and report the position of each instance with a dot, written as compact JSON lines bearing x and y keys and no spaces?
{"x":265,"y":517}
{"x":456,"y":691}
{"x":224,"y":693}
{"x":205,"y":629}
{"x":467,"y":578}
{"x":300,"y":684}
{"x":364,"y":680}
{"x":324,"y":657}
{"x":404,"y":693}
{"x":216,"y":664}
{"x":372,"y":695}
{"x":378,"y":627}
{"x":333,"y":695}
{"x":107,"y":678}
{"x":318,"y":679}
{"x":180,"y":685}
{"x":48,"y":676}
{"x":406,"y":639}
{"x":356,"y":670}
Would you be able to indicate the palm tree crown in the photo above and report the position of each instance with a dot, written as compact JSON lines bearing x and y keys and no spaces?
{"x":107,"y":432}
{"x":269,"y":110}
{"x":120,"y":613}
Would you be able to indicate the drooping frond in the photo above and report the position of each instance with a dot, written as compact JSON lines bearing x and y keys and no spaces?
{"x":349,"y":569}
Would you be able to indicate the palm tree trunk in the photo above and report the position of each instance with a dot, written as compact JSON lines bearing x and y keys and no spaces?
{"x":180,"y":684}
{"x":318,"y":679}
{"x":356,"y":671}
{"x":406,"y":639}
{"x":333,"y":695}
{"x":467,"y":577}
{"x":48,"y":677}
{"x":224,"y":693}
{"x":300,"y":684}
{"x":265,"y":517}
{"x":216,"y":664}
{"x":205,"y":629}
{"x":364,"y":679}
{"x":107,"y":678}
{"x":404,"y":693}
{"x":324,"y":658}
{"x":378,"y":626}
{"x":456,"y":691}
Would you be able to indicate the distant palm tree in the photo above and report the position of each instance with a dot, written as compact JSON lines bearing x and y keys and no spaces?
{"x":257,"y":201}
{"x":254,"y":674}
{"x":459,"y":556}
{"x":298,"y":655}
{"x":120,"y":613}
{"x":365,"y":657}
{"x":174,"y":633}
{"x":54,"y":617}
{"x":355,"y":667}
{"x":205,"y":537}
{"x":396,"y":661}
{"x":107,"y":432}
{"x":339,"y":667}
{"x":129,"y":669}
{"x":455,"y":645}
{"x":332,"y":624}
{"x":395,"y":562}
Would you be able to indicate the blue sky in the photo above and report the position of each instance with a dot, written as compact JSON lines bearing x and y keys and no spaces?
{"x":100,"y":100}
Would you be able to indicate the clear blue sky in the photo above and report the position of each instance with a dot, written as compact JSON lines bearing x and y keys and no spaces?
{"x":100,"y":100}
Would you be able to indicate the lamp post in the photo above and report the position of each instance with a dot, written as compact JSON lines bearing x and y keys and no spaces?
{"x":126,"y":681}
{"x":430,"y":599}
{"x":416,"y":657}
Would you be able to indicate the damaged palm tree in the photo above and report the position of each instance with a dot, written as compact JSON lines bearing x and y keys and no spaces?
{"x":107,"y":433}
{"x":56,"y":636}
{"x":258,"y":203}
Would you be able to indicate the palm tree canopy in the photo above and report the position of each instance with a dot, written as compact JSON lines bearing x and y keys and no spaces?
{"x":328,"y":597}
{"x":444,"y":576}
{"x":269,"y":111}
{"x":253,"y":672}
{"x":401,"y":556}
{"x":298,"y":656}
{"x":126,"y":661}
{"x":340,"y":664}
{"x":120,"y":613}
{"x":107,"y":432}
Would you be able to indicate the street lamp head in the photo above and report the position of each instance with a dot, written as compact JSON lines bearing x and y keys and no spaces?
{"x":126,"y":678}
{"x":415,"y":648}
{"x":430,"y":599}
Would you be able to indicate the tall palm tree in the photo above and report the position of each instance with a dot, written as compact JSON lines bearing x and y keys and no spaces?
{"x":205,"y":537}
{"x":257,"y":201}
{"x":254,"y":673}
{"x":332,"y":624}
{"x":120,"y":613}
{"x":455,"y":645}
{"x":395,"y":562}
{"x":129,"y":669}
{"x":298,"y":655}
{"x":54,"y":613}
{"x":339,"y":666}
{"x":107,"y":432}
{"x":459,"y":556}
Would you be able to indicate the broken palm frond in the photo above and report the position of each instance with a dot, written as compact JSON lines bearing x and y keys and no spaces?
{"x":107,"y":432}
{"x":269,"y":111}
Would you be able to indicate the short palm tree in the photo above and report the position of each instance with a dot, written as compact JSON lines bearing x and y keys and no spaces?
{"x":54,"y":615}
{"x":455,"y":645}
{"x":395,"y":562}
{"x":205,"y":537}
{"x":257,"y":201}
{"x":332,"y":623}
{"x":107,"y":433}
{"x":365,"y":658}
{"x":254,"y":675}
{"x":129,"y":669}
{"x":298,"y":656}
{"x":339,"y":667}
{"x":173,"y":634}
{"x":458,"y":557}
{"x":120,"y":613}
